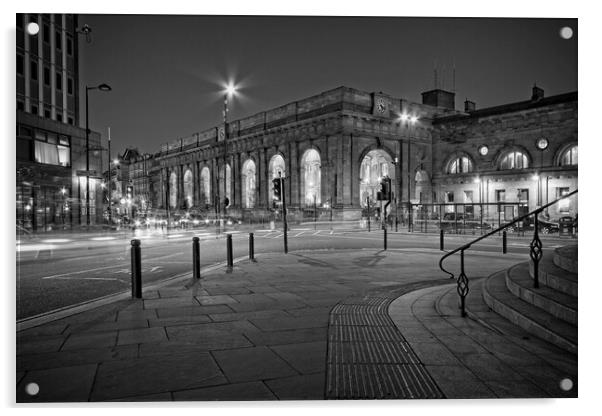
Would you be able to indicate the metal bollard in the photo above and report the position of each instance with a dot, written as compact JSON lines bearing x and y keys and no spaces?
{"x":252,"y":247}
{"x":229,"y":252}
{"x":136,"y":270}
{"x":441,"y":236}
{"x":385,"y":237}
{"x":504,"y":243}
{"x":196,"y":258}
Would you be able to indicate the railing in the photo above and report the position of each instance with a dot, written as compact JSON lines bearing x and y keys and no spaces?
{"x":535,"y":251}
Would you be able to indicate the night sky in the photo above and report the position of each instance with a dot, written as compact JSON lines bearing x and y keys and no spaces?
{"x":167,"y":72}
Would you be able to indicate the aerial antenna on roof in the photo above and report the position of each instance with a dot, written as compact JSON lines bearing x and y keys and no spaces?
{"x":454,"y":79}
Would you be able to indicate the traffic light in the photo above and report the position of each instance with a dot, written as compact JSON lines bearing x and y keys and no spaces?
{"x":384,"y":194}
{"x":277,"y":189}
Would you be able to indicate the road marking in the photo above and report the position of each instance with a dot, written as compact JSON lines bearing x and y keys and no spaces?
{"x":297,"y":235}
{"x":103,"y":238}
{"x":317,"y":232}
{"x":277,"y":236}
{"x":56,"y":240}
{"x":54,"y":276}
{"x":88,"y":278}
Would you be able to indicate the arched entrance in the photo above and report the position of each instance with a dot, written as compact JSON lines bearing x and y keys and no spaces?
{"x":188,"y":189}
{"x":205,"y":186}
{"x":311,"y":177}
{"x":248,"y":183}
{"x":376,"y":165}
{"x":173,"y":190}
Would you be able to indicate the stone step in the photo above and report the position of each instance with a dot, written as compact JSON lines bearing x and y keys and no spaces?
{"x":567,"y":258}
{"x":556,"y":303}
{"x":529,"y":317}
{"x":555,"y":277}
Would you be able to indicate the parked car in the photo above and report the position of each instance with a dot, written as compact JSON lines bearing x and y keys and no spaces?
{"x":453,"y":221}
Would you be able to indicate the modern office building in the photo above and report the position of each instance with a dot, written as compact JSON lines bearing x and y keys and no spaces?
{"x":51,"y":147}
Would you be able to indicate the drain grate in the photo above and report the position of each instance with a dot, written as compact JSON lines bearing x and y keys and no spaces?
{"x":368,"y":358}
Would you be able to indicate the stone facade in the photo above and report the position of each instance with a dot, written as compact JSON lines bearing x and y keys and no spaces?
{"x":505,"y":129}
{"x":324,"y":139}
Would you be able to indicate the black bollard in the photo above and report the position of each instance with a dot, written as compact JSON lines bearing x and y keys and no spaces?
{"x":229,"y":252}
{"x":252,"y":247}
{"x":196,"y":258}
{"x":385,"y":237}
{"x":136,"y":270}
{"x":504,"y":243}
{"x":441,"y":234}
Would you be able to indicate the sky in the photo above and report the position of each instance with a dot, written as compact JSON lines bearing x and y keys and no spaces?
{"x":168,"y":71}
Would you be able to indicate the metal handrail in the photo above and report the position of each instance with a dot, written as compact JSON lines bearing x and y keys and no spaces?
{"x":535,"y":250}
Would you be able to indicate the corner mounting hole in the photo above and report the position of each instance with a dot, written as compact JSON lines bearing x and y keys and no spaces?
{"x":566,"y":384}
{"x":32,"y":389}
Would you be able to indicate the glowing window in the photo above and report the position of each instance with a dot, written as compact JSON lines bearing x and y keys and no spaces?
{"x":514,"y":160}
{"x":460,"y":164}
{"x":569,"y":157}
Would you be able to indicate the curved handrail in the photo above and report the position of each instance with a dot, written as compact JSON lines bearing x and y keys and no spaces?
{"x":497,"y":230}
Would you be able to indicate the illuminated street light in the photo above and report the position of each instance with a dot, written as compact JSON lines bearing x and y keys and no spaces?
{"x":105,"y":88}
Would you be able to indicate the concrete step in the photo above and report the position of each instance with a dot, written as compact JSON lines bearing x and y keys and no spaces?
{"x":555,"y":277}
{"x":567,"y":258}
{"x":529,"y":317}
{"x":552,"y":301}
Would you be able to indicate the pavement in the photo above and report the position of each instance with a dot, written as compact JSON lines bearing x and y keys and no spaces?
{"x":314,"y":325}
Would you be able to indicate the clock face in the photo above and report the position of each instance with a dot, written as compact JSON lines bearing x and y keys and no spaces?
{"x":542,"y":143}
{"x":483,"y":150}
{"x":381,"y":106}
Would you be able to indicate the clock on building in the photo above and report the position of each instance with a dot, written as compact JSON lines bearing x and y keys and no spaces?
{"x":542,"y":143}
{"x":381,"y":105}
{"x":483,"y":150}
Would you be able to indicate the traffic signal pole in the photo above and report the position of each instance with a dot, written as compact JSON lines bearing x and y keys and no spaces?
{"x":283,"y":190}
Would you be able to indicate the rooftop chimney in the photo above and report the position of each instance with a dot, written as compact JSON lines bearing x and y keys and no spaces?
{"x":537,"y":93}
{"x":469,"y":106}
{"x":439,"y":98}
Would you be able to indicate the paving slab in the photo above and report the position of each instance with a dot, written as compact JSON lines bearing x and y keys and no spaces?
{"x":304,"y":387}
{"x":252,"y":364}
{"x":156,"y":374}
{"x":255,"y":390}
{"x":306,"y":357}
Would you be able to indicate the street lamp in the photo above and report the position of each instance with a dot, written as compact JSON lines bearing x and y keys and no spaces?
{"x":395,"y":163}
{"x":229,"y":91}
{"x":408,"y":121}
{"x":105,"y":88}
{"x":542,"y":144}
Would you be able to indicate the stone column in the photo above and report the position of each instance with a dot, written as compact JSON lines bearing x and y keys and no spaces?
{"x":293,"y":174}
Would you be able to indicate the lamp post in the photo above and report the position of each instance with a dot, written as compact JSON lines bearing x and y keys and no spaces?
{"x":101,"y":87}
{"x":229,"y":91}
{"x":395,"y":163}
{"x":409,"y":120}
{"x":541,"y":144}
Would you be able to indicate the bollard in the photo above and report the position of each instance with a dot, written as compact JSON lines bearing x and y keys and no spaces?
{"x":229,"y":252}
{"x":196,"y":258}
{"x":504,"y":246}
{"x":136,"y":270}
{"x":385,"y":237}
{"x":252,"y":248}
{"x":441,"y":234}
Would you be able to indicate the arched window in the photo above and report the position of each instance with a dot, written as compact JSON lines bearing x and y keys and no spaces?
{"x":311,"y":177}
{"x":188,"y":189}
{"x":248,"y":183}
{"x":461,"y":164}
{"x":173,"y":190}
{"x":514,"y":160}
{"x":569,"y":157}
{"x":205,"y":185}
